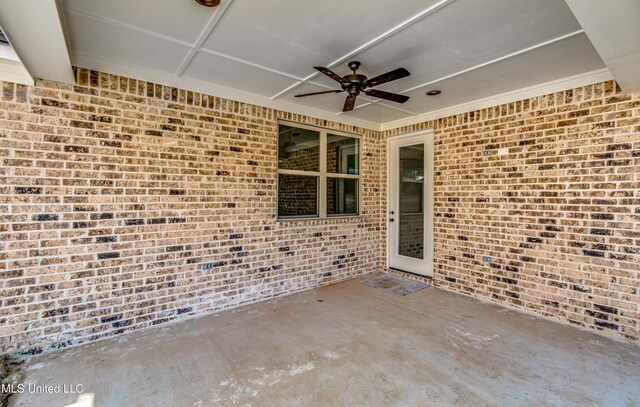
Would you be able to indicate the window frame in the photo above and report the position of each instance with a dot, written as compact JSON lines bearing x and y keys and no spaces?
{"x":321,"y":175}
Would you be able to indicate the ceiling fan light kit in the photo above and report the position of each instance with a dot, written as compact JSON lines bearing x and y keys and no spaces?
{"x":208,"y":3}
{"x":355,"y":83}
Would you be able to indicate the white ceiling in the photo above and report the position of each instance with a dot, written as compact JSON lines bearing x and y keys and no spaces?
{"x":615,"y":33}
{"x":38,"y":46}
{"x":264,"y":51}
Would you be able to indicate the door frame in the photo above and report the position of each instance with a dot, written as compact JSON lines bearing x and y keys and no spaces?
{"x":426,"y":137}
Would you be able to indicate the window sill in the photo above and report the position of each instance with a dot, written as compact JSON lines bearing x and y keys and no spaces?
{"x":317,"y":218}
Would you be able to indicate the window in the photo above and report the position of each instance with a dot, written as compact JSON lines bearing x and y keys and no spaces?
{"x":318,"y":172}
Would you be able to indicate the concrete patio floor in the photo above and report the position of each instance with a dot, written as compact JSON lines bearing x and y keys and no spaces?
{"x":348,"y":344}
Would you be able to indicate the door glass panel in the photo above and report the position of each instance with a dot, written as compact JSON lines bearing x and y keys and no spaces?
{"x":410,"y":199}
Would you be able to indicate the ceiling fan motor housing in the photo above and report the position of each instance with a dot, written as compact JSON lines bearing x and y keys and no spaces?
{"x":355,"y":78}
{"x":356,"y":81}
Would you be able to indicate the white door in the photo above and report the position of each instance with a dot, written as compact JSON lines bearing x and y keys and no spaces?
{"x":410,"y":211}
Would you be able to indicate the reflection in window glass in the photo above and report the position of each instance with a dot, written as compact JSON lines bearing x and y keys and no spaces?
{"x":298,"y":149}
{"x":343,"y":155}
{"x":297,"y":195}
{"x":411,"y":216}
{"x":342,"y":196}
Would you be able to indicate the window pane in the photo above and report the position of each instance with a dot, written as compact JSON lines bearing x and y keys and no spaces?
{"x":343,"y":155}
{"x":342,"y":196}
{"x":297,"y":195}
{"x":411,"y":216}
{"x":298,"y":149}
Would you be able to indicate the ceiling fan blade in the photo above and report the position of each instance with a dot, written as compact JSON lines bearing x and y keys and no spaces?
{"x":349,"y":103}
{"x":387,"y":77}
{"x":318,"y":93}
{"x":394,"y":97}
{"x":332,"y":74}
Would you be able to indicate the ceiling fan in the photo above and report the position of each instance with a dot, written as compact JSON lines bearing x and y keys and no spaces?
{"x":355,"y":83}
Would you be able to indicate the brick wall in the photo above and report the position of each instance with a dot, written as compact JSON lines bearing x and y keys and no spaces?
{"x":116,"y":192}
{"x":559,"y":214}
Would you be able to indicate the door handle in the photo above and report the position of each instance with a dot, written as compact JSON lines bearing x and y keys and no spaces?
{"x":390,"y":219}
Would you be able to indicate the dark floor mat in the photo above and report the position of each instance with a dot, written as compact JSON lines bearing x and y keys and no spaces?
{"x":395,"y":285}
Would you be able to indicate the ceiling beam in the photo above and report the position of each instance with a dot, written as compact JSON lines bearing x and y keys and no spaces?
{"x":487,"y":63}
{"x":35,"y":31}
{"x":211,"y":24}
{"x":613,"y":29}
{"x":242,"y":61}
{"x":193,"y":48}
{"x":496,"y":60}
